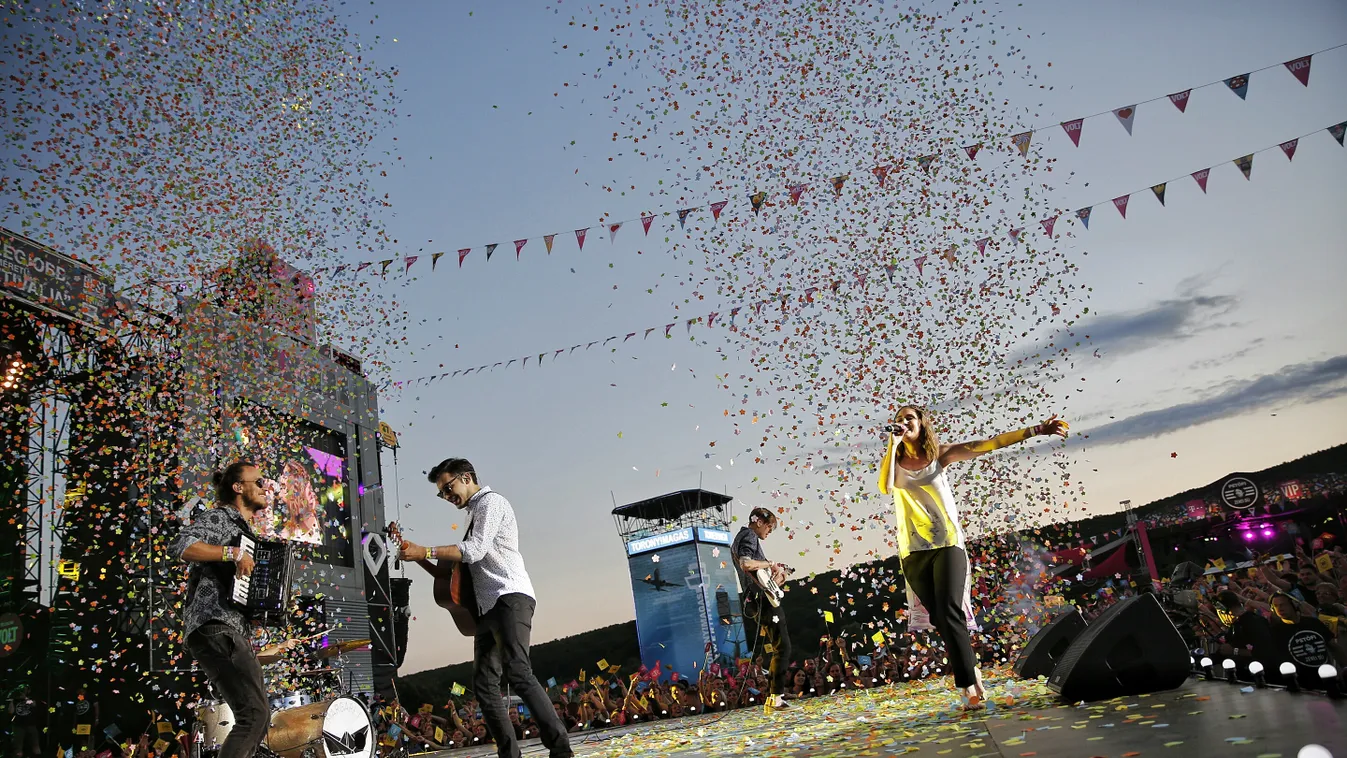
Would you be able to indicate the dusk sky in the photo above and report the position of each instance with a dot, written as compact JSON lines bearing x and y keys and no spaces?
{"x":1218,"y":317}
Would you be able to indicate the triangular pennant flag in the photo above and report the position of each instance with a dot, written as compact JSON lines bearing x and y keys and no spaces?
{"x":1245,"y":164}
{"x":629,"y":336}
{"x":463,"y":254}
{"x":645,"y":223}
{"x":1125,"y":116}
{"x":1290,"y":148}
{"x":734,"y":312}
{"x":580,"y":237}
{"x":1300,"y":68}
{"x":385,"y":265}
{"x":837,"y":182}
{"x":925,"y":161}
{"x":337,"y":271}
{"x":1338,"y":130}
{"x":920,"y":261}
{"x":547,"y":242}
{"x":757,"y":308}
{"x":612,"y":231}
{"x":518,"y":247}
{"x":795,"y":192}
{"x":491,"y":249}
{"x":972,"y":150}
{"x":889,"y":269}
{"x":1015,"y":234}
{"x":1048,"y":223}
{"x":648,"y":331}
{"x":711,"y":318}
{"x":1180,"y":100}
{"x":434,"y":259}
{"x":683,"y":216}
{"x":982,"y":245}
{"x":1073,"y":130}
{"x":363,"y":266}
{"x":692,"y":321}
{"x":880,"y":172}
{"x":1021,"y":141}
{"x":1239,"y":85}
{"x":949,"y":253}
{"x":540,"y":358}
{"x":1121,"y":204}
{"x":717,"y":207}
{"x":757,"y":199}
{"x":667,"y":327}
{"x":407,"y":263}
{"x":1159,"y":191}
{"x":1201,"y":178}
{"x":1084,"y":215}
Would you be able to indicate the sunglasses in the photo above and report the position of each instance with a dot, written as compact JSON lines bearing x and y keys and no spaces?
{"x":443,"y":492}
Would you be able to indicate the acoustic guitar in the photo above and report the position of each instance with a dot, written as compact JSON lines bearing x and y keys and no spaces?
{"x":452,"y":589}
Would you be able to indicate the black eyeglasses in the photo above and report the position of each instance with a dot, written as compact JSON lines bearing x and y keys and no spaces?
{"x":257,"y":481}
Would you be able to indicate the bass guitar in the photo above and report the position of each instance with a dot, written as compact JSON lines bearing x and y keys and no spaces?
{"x":452,"y":589}
{"x":770,"y":589}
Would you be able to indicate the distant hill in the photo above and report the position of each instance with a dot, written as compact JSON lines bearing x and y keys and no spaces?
{"x":858,"y":599}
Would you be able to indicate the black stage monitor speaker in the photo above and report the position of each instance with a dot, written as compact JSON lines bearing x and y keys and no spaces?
{"x":1047,"y":647}
{"x":1132,"y":648}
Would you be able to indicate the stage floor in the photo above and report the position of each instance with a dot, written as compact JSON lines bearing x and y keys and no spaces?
{"x":1197,"y":720}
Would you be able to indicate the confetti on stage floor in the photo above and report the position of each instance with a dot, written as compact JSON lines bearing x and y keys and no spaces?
{"x":920,"y":719}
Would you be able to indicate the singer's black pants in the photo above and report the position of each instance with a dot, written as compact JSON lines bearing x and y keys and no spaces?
{"x":937,"y":578}
{"x":772,"y":632}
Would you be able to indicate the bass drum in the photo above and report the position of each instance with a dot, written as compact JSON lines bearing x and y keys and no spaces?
{"x":214,"y":720}
{"x":339,"y":728}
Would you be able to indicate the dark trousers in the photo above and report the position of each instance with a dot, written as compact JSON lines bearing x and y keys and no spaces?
{"x":937,"y":579}
{"x":772,"y":632}
{"x":502,"y":647}
{"x":229,"y":662}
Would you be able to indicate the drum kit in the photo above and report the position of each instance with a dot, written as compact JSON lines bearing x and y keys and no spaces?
{"x":316,"y":719}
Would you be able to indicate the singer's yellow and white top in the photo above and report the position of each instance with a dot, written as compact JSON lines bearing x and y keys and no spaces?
{"x":927,"y":515}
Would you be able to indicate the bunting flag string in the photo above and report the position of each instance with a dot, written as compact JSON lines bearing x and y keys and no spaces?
{"x":1244,"y":163}
{"x":759,"y":200}
{"x":1049,"y":224}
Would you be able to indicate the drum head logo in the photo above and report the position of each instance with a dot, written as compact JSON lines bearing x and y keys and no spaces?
{"x":346,"y":730}
{"x":1239,"y":492}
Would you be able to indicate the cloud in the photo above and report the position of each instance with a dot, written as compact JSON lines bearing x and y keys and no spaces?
{"x":1181,"y":318}
{"x":1307,"y":382}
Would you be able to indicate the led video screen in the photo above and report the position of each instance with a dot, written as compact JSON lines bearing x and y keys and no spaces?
{"x":310,"y":502}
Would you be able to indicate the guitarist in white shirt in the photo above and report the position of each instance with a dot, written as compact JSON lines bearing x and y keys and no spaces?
{"x":505,"y":603}
{"x":749,"y":560}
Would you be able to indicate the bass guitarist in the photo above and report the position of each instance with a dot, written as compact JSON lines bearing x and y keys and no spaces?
{"x":505,"y":603}
{"x":771,"y":621}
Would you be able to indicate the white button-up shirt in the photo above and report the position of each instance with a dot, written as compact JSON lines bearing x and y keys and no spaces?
{"x":491,"y":550}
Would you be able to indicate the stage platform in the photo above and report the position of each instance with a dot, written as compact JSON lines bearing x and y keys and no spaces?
{"x":918,"y":719}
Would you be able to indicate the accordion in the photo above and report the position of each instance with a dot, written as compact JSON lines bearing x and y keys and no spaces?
{"x":264,"y":597}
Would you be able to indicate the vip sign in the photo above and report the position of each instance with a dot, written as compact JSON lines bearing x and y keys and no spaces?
{"x":11,"y":634}
{"x":1292,"y":490}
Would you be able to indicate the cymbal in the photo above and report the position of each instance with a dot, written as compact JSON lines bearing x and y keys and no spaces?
{"x":340,"y":648}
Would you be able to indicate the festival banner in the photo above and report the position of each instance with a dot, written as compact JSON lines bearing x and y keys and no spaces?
{"x":1300,"y":69}
{"x":645,"y":224}
{"x":1073,"y":130}
{"x":1289,"y":147}
{"x":1084,"y":215}
{"x":1125,"y":116}
{"x":1239,"y":85}
{"x":1201,"y":178}
{"x":1159,"y":190}
{"x":1180,"y":100}
{"x":1245,"y":164}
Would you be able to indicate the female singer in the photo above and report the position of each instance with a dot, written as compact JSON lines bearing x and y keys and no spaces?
{"x":930,"y":539}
